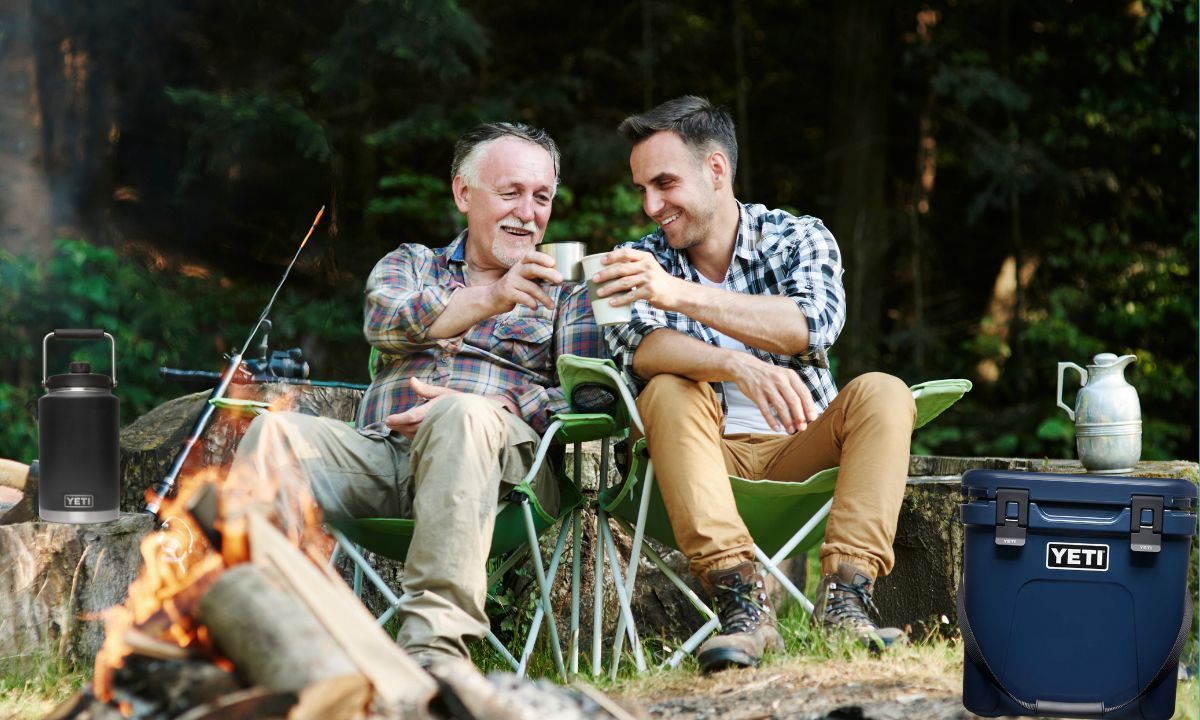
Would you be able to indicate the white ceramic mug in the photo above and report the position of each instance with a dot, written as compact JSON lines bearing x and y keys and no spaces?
{"x":605,"y":313}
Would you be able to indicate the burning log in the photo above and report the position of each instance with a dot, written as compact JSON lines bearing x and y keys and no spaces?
{"x":400,"y":686}
{"x":269,"y":635}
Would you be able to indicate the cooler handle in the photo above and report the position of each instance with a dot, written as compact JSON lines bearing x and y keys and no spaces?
{"x":1040,"y":707}
{"x":1068,"y":709}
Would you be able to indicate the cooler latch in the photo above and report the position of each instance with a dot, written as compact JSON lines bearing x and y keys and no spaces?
{"x":1012,"y":517}
{"x":1145,"y":523}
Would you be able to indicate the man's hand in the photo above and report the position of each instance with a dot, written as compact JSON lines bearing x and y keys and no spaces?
{"x":638,"y":276}
{"x":408,"y":422}
{"x":780,"y":394}
{"x":519,"y":286}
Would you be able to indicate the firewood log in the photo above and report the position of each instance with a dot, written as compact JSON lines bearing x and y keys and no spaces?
{"x":269,"y":635}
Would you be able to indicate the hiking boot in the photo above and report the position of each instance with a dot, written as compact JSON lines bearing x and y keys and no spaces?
{"x":845,"y":605}
{"x":748,"y":626}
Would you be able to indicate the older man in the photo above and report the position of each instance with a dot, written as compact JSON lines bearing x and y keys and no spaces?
{"x":464,"y":382}
{"x":734,"y":309}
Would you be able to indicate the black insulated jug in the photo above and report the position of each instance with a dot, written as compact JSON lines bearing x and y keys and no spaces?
{"x":79,"y":422}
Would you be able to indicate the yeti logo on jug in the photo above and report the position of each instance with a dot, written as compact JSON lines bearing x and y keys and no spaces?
{"x":77,"y":501}
{"x":1077,"y":556}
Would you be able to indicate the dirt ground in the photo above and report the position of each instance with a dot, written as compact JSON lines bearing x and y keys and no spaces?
{"x":909,"y":686}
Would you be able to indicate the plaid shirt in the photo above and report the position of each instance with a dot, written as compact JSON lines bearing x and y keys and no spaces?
{"x":512,"y":354}
{"x":776,"y":254}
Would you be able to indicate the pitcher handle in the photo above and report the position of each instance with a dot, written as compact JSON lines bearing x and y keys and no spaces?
{"x":1083,"y":378}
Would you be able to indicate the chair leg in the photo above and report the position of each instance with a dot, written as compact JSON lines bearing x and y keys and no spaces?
{"x":576,"y":547}
{"x":772,"y":568}
{"x":545,"y":590}
{"x":639,"y":534}
{"x":772,"y":564}
{"x":362,"y":567}
{"x":536,"y":624}
{"x":514,"y":558}
{"x":693,"y":642}
{"x":697,"y":637}
{"x":598,"y":577}
{"x":623,"y":601}
{"x":678,"y":582}
{"x":504,"y":653}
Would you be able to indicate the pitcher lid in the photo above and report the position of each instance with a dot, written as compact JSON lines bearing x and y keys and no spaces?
{"x":1107,"y":359}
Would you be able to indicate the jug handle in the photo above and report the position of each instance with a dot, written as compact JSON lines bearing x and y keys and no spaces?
{"x":1083,"y":378}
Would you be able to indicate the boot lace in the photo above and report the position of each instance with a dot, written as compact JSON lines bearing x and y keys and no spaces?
{"x":737,"y":607}
{"x":849,"y":605}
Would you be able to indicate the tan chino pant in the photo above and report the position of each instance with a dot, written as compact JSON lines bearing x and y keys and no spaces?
{"x":866,"y":430}
{"x":467,"y":454}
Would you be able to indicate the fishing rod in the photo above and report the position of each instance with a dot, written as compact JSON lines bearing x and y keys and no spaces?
{"x":164,"y":488}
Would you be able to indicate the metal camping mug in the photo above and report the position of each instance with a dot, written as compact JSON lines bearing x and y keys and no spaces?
{"x":566,"y":258}
{"x":79,"y":423}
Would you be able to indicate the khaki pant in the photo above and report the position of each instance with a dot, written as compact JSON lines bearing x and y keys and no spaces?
{"x":467,"y":455}
{"x":866,"y":430}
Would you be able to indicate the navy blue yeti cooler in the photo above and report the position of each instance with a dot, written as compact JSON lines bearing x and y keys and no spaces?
{"x":1074,"y":598}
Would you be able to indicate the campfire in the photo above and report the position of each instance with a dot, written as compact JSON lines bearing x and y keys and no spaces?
{"x":229,"y":617}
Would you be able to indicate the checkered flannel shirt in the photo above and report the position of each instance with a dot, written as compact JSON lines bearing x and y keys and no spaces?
{"x":512,"y":354}
{"x":776,"y":254}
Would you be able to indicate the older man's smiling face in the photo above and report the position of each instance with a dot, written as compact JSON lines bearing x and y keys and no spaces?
{"x":507,"y":212}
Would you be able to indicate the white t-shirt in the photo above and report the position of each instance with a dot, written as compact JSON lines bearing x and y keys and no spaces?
{"x":742,"y":416}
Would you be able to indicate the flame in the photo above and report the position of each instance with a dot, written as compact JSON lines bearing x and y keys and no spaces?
{"x":180,"y":564}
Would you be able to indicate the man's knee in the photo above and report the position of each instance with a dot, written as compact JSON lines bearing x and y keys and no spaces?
{"x":464,"y":409}
{"x":264,"y":429}
{"x":670,"y":389}
{"x":882,"y":391}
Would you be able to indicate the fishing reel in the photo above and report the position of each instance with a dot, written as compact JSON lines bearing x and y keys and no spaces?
{"x":278,"y":363}
{"x":281,"y":364}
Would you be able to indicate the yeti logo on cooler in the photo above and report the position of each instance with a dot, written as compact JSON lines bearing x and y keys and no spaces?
{"x":77,"y":501}
{"x":1077,"y":556}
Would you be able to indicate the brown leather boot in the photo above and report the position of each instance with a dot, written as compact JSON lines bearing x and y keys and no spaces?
{"x":845,"y":605}
{"x":748,"y":626}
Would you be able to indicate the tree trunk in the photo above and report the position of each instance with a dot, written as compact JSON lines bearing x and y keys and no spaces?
{"x":858,"y":133}
{"x":25,"y":204}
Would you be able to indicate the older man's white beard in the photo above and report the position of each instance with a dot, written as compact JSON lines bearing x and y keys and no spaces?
{"x":501,"y":245}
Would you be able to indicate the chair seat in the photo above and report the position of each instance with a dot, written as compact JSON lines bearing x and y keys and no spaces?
{"x":390,"y":537}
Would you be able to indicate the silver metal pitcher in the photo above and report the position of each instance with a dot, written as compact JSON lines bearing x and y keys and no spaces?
{"x":1107,"y":415}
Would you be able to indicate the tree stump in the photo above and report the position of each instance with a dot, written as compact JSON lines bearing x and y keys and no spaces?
{"x":923,"y":585}
{"x":150,"y":444}
{"x":54,"y":581}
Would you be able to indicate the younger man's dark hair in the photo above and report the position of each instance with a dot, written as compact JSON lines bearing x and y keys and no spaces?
{"x":698,"y":123}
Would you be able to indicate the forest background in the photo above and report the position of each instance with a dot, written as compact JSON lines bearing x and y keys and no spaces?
{"x":1012,"y":183}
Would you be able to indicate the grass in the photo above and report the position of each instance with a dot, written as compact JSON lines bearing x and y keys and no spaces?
{"x":35,"y":690}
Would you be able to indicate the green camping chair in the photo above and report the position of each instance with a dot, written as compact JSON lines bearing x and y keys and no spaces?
{"x":770,"y":509}
{"x":519,"y":522}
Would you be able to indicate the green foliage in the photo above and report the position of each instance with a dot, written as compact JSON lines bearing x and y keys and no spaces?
{"x":230,"y":128}
{"x":156,"y":320}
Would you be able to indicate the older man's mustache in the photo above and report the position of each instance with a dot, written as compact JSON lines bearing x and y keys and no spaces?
{"x":517,"y":228}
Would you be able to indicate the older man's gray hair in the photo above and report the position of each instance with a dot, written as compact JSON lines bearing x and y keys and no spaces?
{"x":471,"y":147}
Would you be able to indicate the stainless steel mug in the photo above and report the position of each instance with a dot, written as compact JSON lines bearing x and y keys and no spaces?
{"x":79,"y":422}
{"x":566,"y":258}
